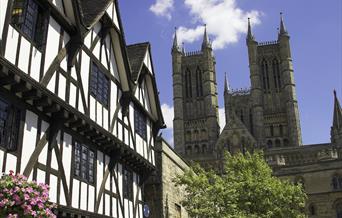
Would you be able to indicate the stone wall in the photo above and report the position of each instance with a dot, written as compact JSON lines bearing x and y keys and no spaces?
{"x":163,"y":197}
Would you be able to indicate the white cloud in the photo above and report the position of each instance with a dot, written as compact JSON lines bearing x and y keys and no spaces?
{"x":168,"y":114}
{"x":162,"y":8}
{"x":224,"y":19}
{"x":222,"y":118}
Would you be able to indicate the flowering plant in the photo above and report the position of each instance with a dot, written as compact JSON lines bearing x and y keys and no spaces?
{"x":21,"y":198}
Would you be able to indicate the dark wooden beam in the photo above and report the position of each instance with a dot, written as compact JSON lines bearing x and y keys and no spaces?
{"x":52,"y":108}
{"x":31,"y":95}
{"x":21,"y":87}
{"x":43,"y":102}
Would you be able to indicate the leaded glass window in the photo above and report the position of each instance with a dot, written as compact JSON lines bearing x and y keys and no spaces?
{"x":140,"y":123}
{"x":99,"y":85}
{"x":9,"y":126}
{"x":84,"y":163}
{"x":29,"y":17}
{"x":128,"y":184}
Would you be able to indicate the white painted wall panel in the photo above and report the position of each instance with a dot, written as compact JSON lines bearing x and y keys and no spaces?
{"x":75,"y":193}
{"x":130,"y":208}
{"x":11,"y":44}
{"x":61,"y":86}
{"x":80,"y":103}
{"x":120,"y":132}
{"x":92,"y":106}
{"x":115,"y":18}
{"x":43,"y":155}
{"x":91,"y":198}
{"x":53,"y":189}
{"x":52,"y":83}
{"x":85,"y":72}
{"x":99,"y":113}
{"x":84,"y":195}
{"x":73,"y":73}
{"x":126,"y":206}
{"x":131,"y":117}
{"x":119,"y":176}
{"x":54,"y":163}
{"x":40,"y":176}
{"x":107,"y":205}
{"x":147,"y":62}
{"x":87,"y":40}
{"x":110,"y":10}
{"x":100,"y":165}
{"x":66,"y":156}
{"x":29,"y":138}
{"x":113,"y":100}
{"x":3,"y":6}
{"x":107,"y":184}
{"x":127,"y":137}
{"x":105,"y":119}
{"x":52,"y":42}
{"x":1,"y":160}
{"x":35,"y":63}
{"x":24,"y":55}
{"x":103,"y":56}
{"x":62,"y":199}
{"x":114,"y":207}
{"x":140,"y":211}
{"x":72,"y":97}
{"x":96,"y":32}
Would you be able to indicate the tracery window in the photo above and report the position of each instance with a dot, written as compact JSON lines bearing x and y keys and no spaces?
{"x":338,"y":208}
{"x":99,"y":85}
{"x":188,"y":87}
{"x":312,"y":209}
{"x":199,"y":86}
{"x":9,"y":125}
{"x":265,"y":76}
{"x":29,"y":17}
{"x":84,"y":163}
{"x":276,"y":75}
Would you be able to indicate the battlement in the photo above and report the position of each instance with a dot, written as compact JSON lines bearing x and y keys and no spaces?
{"x":241,"y":91}
{"x":193,"y":53}
{"x":267,"y":43}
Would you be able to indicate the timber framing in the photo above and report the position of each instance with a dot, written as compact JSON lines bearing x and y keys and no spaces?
{"x":28,"y":89}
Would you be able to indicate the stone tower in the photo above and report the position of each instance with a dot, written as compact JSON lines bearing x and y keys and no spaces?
{"x":266,"y":115}
{"x":196,"y":125}
{"x":274,"y":102}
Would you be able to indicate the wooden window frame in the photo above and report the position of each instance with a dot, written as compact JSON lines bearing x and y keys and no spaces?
{"x":140,"y":123}
{"x":10,"y":132}
{"x":127,"y":184}
{"x":99,"y":85}
{"x":39,"y":25}
{"x":78,"y":159}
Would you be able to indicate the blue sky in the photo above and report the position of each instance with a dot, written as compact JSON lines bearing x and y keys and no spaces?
{"x":315,"y":28}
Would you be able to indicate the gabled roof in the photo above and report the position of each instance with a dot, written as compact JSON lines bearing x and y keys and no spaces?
{"x":92,"y":10}
{"x":136,"y":56}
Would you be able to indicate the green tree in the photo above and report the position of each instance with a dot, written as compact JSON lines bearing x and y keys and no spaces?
{"x":246,"y":188}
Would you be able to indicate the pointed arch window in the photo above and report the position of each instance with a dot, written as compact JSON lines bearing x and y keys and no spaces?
{"x":199,"y":85}
{"x":188,"y":91}
{"x":265,"y":77}
{"x":337,"y":182}
{"x":276,"y":74}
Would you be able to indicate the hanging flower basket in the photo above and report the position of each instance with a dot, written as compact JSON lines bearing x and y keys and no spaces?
{"x":24,"y":199}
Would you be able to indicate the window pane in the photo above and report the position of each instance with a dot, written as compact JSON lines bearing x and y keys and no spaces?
{"x":3,"y":118}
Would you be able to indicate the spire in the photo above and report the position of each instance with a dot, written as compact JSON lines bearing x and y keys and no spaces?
{"x":337,"y":120}
{"x":249,"y":32}
{"x":226,"y":84}
{"x":282,"y":29}
{"x":175,"y":46}
{"x":206,"y":42}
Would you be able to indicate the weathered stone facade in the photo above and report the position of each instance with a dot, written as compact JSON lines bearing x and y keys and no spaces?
{"x":264,"y":116}
{"x":165,"y":200}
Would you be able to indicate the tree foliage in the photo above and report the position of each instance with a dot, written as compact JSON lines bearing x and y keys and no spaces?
{"x":247,"y":188}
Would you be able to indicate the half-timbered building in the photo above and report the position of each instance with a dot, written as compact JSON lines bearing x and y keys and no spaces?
{"x":79,"y":110}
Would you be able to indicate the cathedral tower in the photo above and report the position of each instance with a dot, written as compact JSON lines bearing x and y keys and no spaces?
{"x":196,"y":126}
{"x":274,"y":102}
